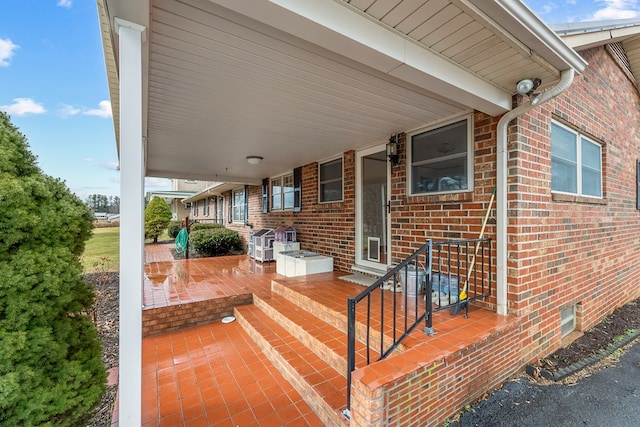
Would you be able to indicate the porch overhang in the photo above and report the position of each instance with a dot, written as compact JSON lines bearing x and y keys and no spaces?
{"x":297,"y":81}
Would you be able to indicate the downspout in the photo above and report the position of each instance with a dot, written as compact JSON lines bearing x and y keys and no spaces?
{"x":566,"y":78}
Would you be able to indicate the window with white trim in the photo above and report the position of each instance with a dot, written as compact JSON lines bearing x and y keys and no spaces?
{"x":205,"y":207}
{"x":576,"y":163}
{"x":330,"y":181}
{"x":282,"y":191}
{"x":195,"y":209}
{"x":238,"y":205}
{"x":441,"y":158}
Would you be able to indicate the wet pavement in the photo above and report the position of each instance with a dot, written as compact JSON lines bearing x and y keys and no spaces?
{"x":609,"y":397}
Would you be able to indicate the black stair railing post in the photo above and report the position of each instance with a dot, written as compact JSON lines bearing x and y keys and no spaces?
{"x":351,"y":349}
{"x":428,"y":317}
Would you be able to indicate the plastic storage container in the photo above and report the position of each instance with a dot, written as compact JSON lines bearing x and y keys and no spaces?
{"x":413,"y":283}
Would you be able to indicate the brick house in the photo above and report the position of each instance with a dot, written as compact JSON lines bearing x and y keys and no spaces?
{"x":566,"y":215}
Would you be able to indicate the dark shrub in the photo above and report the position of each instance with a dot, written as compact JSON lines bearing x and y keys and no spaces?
{"x":174,"y":228}
{"x":215,"y":242}
{"x":205,"y":226}
{"x":51,"y":370}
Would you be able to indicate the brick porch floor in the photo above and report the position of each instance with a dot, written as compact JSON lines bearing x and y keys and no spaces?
{"x":215,"y":375}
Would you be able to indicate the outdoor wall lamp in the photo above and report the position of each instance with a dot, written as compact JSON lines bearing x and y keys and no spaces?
{"x":527,"y":86}
{"x":392,"y":150}
{"x":254,"y":160}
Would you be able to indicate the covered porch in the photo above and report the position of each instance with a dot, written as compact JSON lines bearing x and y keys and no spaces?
{"x":283,"y":361}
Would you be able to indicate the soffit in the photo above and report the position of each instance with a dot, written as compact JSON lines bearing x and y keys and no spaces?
{"x":222,"y":82}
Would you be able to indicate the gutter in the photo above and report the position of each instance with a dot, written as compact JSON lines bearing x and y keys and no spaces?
{"x":566,"y":78}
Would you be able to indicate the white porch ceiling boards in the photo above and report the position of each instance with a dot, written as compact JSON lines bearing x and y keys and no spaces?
{"x":297,"y":81}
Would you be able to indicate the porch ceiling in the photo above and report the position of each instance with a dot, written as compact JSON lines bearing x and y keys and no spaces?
{"x":296,"y":81}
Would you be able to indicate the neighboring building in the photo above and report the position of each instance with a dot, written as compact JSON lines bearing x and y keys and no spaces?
{"x":180,"y":190}
{"x":340,"y":81}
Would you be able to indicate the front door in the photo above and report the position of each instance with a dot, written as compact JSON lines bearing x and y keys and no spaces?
{"x":372,"y":220}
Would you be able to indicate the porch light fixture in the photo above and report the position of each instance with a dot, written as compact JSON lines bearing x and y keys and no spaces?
{"x":392,"y":150}
{"x":254,"y":160}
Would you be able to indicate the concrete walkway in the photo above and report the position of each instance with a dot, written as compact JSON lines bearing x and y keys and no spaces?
{"x":609,"y":397}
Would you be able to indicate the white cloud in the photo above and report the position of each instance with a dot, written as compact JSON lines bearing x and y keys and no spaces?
{"x":7,"y":48}
{"x":616,"y":9}
{"x":68,"y":110}
{"x":112,"y":165}
{"x":88,"y":160}
{"x":65,"y":3}
{"x":103,"y":110}
{"x":157,"y":184}
{"x":23,"y":106}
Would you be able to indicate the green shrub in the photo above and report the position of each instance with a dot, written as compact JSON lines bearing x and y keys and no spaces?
{"x":174,"y":228}
{"x":205,"y":226}
{"x":157,"y":215}
{"x":215,"y":242}
{"x":51,"y":370}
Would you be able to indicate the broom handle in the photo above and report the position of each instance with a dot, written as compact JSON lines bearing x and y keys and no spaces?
{"x":475,"y":252}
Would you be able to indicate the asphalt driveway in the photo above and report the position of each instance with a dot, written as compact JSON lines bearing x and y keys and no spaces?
{"x":610,"y":397}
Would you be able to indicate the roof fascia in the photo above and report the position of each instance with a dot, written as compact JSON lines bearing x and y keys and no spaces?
{"x":599,"y":38}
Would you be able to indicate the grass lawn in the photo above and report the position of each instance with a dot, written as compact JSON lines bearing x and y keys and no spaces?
{"x":102,"y":252}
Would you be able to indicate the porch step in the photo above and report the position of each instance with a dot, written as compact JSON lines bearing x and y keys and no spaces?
{"x":334,"y":315}
{"x":320,"y":385}
{"x":326,"y":341}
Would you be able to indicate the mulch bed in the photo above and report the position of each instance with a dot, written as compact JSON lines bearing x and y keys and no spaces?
{"x":599,"y":337}
{"x":106,"y":310}
{"x":107,"y":306}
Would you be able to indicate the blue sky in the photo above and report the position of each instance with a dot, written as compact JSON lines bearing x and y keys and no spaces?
{"x":53,"y":83}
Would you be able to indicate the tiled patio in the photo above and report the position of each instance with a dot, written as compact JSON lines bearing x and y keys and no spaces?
{"x":215,"y":375}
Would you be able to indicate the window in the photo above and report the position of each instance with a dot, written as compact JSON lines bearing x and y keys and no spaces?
{"x":220,"y":217}
{"x":282,"y":191}
{"x":441,"y":158}
{"x":330,"y":174}
{"x":239,"y":205}
{"x":576,"y":163}
{"x":567,"y":320}
{"x":205,"y":207}
{"x":195,"y":209}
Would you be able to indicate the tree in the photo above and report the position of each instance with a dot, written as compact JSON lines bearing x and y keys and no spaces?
{"x":51,"y":370}
{"x":157,"y":215}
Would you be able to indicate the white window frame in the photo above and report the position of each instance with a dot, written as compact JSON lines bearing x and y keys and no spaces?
{"x":320,"y":181}
{"x":283,"y":193}
{"x":241,"y":205}
{"x":205,"y":207}
{"x":580,"y":139}
{"x":196,"y":212}
{"x":470,"y":155}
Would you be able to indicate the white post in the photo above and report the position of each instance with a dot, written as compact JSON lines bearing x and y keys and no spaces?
{"x":131,"y":223}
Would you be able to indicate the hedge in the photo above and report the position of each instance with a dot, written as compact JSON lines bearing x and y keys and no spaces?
{"x":215,"y":242}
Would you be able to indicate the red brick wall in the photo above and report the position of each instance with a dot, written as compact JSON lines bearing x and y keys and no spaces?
{"x":566,"y":250}
{"x":325,"y":228}
{"x":561,"y":250}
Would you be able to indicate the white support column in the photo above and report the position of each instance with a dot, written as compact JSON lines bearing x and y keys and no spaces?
{"x":132,"y":173}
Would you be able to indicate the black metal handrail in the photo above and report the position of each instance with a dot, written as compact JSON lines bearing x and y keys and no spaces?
{"x":414,"y":275}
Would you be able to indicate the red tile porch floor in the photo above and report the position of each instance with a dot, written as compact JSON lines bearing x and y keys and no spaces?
{"x":214,"y":375}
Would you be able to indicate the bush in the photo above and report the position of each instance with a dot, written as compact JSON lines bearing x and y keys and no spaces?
{"x":205,"y":226}
{"x":215,"y":242}
{"x":157,"y":215}
{"x":174,"y":228}
{"x":51,"y":370}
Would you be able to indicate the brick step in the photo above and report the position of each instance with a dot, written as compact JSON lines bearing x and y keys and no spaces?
{"x":335,"y":314}
{"x":320,"y":385}
{"x":326,"y":341}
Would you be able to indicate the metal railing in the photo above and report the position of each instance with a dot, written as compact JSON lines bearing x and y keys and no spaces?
{"x":378,"y":321}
